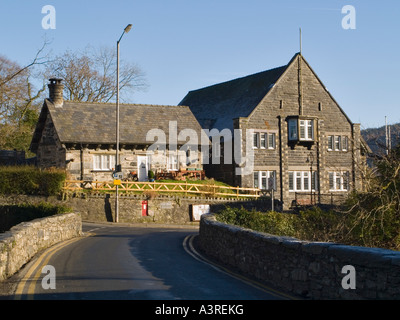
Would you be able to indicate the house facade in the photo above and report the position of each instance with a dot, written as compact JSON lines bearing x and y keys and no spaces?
{"x":303,"y":145}
{"x":81,"y":138}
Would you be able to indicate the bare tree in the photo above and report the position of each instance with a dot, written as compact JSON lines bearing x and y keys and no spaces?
{"x":10,"y":70}
{"x":90,"y":76}
{"x":19,"y":104}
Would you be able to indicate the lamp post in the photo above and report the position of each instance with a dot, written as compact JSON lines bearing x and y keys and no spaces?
{"x":117,"y":162}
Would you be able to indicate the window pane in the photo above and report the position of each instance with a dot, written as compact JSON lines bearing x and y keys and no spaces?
{"x":97,"y":162}
{"x":291,"y":185}
{"x":255,"y":140}
{"x":263,"y":180}
{"x":337,"y":143}
{"x":256,"y":185}
{"x":331,"y":181}
{"x":345,"y":143}
{"x":330,"y":143}
{"x":106,"y":162}
{"x":173,"y":162}
{"x":306,"y":181}
{"x":302,"y":129}
{"x":112,"y":162}
{"x":298,"y":181}
{"x":338,"y":178}
{"x":263,"y":140}
{"x":271,"y":141}
{"x":293,"y":129}
{"x":346,"y":181}
{"x":310,"y":130}
{"x":264,"y":185}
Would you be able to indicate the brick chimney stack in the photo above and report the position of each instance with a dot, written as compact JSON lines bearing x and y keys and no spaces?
{"x":56,"y":91}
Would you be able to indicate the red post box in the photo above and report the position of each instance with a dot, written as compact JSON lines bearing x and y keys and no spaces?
{"x":144,"y":208}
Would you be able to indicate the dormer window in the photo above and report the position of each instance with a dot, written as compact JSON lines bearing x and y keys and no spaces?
{"x":301,"y":129}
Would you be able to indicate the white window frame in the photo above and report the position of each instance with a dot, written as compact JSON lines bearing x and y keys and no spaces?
{"x":308,"y":126}
{"x":339,"y":181}
{"x":271,"y":144}
{"x":173,"y":162}
{"x":262,"y":178}
{"x":301,"y":179}
{"x":261,"y":140}
{"x":301,"y":129}
{"x":103,"y":162}
{"x":338,"y":143}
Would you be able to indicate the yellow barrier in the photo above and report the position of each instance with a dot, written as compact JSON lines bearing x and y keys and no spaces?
{"x":162,"y":187}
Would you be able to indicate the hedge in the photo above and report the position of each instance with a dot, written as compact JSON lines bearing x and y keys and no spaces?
{"x":315,"y":224}
{"x":11,"y":215}
{"x":30,"y":180}
{"x":311,"y":225}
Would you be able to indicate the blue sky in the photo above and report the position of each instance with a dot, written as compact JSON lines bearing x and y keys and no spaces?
{"x":184,"y":45}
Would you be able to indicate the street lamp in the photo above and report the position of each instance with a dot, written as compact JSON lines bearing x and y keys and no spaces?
{"x":117,"y":162}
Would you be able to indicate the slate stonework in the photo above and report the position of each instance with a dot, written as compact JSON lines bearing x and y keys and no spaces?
{"x":310,"y":270}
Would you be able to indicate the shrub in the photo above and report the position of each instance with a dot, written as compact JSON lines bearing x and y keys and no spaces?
{"x":12,"y":215}
{"x":374,"y":214}
{"x":31,"y":181}
{"x":312,"y":225}
{"x":270,"y":222}
{"x":315,"y":224}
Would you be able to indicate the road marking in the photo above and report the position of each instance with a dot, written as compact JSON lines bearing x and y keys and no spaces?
{"x":189,"y":248}
{"x":39,"y":264}
{"x":94,"y":229}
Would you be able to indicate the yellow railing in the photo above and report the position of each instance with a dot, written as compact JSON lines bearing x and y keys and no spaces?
{"x":185,"y":188}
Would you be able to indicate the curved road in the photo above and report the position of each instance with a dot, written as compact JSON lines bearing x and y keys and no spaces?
{"x":130,"y":263}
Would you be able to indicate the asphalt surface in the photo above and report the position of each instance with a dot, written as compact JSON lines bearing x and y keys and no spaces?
{"x":113,"y":262}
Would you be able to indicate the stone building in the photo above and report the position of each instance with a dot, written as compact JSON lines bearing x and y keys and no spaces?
{"x":81,"y":137}
{"x":303,"y":144}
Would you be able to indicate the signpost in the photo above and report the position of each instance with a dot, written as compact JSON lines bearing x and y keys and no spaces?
{"x":271,"y":188}
{"x":117,"y":176}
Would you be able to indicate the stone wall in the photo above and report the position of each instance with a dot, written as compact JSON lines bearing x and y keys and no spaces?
{"x":308,"y":269}
{"x":161,"y":209}
{"x":23,"y":241}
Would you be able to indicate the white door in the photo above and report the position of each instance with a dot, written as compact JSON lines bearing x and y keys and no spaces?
{"x":142,"y":168}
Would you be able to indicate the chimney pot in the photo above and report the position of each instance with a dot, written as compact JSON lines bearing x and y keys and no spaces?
{"x":56,"y":91}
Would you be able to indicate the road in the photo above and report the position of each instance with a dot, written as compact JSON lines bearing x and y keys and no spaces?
{"x":116,"y":262}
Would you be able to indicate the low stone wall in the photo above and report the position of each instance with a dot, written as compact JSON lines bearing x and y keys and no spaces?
{"x":162,"y":209}
{"x":23,"y":241}
{"x":308,"y":269}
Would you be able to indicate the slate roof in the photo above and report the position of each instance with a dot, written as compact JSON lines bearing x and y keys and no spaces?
{"x":95,"y":123}
{"x":216,"y":106}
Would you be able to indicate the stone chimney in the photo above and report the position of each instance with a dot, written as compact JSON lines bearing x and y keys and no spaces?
{"x":56,"y":91}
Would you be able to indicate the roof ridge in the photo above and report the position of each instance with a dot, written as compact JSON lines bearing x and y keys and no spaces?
{"x":121,"y":104}
{"x":240,"y":78}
